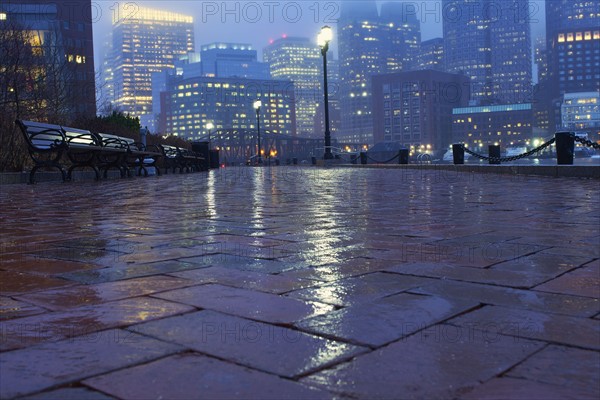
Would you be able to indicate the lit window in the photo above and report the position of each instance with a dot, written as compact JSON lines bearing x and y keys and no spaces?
{"x":2,"y":16}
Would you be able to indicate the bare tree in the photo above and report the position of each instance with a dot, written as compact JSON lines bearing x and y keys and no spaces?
{"x":34,"y":73}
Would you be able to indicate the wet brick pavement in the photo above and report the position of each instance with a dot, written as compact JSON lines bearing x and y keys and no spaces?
{"x":301,"y":283}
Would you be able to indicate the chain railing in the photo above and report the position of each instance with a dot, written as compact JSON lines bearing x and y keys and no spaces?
{"x":564,"y":142}
{"x":383,"y":162}
{"x":511,"y":158}
{"x":585,"y":142}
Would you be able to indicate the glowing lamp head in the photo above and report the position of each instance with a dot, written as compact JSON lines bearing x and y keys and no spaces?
{"x":209,"y":126}
{"x":325,"y":36}
{"x":257,"y":105}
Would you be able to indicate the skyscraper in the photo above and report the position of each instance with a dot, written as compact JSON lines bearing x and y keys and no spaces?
{"x":298,"y":60}
{"x":490,"y":42}
{"x":573,"y":50}
{"x":431,"y":55}
{"x":370,"y":44}
{"x":145,"y":41}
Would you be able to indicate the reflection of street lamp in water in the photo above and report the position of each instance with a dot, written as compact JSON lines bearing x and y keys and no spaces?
{"x":257,"y":105}
{"x":209,"y":127}
{"x":323,"y":40}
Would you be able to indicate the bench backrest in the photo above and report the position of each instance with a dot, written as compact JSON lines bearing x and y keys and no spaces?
{"x":79,"y":137}
{"x":170,"y":151}
{"x":41,"y":136}
{"x":113,"y":141}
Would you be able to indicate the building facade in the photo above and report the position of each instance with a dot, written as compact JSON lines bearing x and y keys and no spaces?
{"x":371,"y":44}
{"x":490,"y":42}
{"x":580,"y":112}
{"x":61,"y":52}
{"x":226,"y":60}
{"x":299,"y":60}
{"x":431,"y":55}
{"x":573,"y":54}
{"x":145,"y":41}
{"x":506,"y":125}
{"x":190,"y":103}
{"x":414,"y":108}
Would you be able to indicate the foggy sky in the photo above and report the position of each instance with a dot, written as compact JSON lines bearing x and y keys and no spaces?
{"x":256,"y":22}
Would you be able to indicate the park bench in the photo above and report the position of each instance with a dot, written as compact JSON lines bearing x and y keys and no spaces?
{"x":136,"y":154}
{"x":181,"y":159}
{"x":48,"y":143}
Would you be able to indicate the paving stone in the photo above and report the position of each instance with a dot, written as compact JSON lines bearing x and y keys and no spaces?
{"x":563,"y":366}
{"x":128,"y":272}
{"x":94,"y":256}
{"x":437,"y":363}
{"x":12,"y":283}
{"x":27,"y":331}
{"x":511,"y":388}
{"x":543,"y":263}
{"x":339,"y":270}
{"x":385,"y":320}
{"x":81,"y":295}
{"x":270,"y":348}
{"x":10,"y":308}
{"x":37,"y":368}
{"x":517,"y":279}
{"x":69,"y":394}
{"x":584,"y":281}
{"x":246,"y":303}
{"x":196,"y":376}
{"x":573,"y":331}
{"x":245,"y":263}
{"x":351,"y":291}
{"x":513,"y":298}
{"x":41,"y":266}
{"x":245,"y":279}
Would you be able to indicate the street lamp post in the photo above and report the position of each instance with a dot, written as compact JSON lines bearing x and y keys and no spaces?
{"x":257,"y":105}
{"x":324,"y":38}
{"x":209,"y":127}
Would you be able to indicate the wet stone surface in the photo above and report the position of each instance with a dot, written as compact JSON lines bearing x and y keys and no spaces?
{"x":300,"y":283}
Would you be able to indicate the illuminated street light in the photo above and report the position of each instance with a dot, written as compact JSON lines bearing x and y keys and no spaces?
{"x":257,"y":105}
{"x":323,"y":40}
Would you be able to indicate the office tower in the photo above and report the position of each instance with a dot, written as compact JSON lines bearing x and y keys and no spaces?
{"x":431,"y":55}
{"x":61,"y":54}
{"x":581,"y":112}
{"x":490,"y":42}
{"x":298,"y":60}
{"x":232,"y":60}
{"x":145,"y":41}
{"x":189,"y":103}
{"x":370,"y":44}
{"x":573,"y":50}
{"x":505,"y":125}
{"x":415,"y":107}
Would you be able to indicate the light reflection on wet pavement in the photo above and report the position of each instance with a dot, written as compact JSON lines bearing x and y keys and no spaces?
{"x":297,"y":282}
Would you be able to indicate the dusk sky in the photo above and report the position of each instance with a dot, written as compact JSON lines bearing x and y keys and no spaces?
{"x":256,"y":22}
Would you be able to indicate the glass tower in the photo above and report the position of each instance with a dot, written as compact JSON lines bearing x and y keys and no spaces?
{"x":145,"y":41}
{"x":370,"y":44}
{"x":490,"y":42}
{"x":298,"y":60}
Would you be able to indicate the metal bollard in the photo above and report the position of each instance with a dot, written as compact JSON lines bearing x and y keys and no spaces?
{"x":565,"y":148}
{"x":313,"y":160}
{"x":458,"y":153}
{"x":295,"y":161}
{"x":403,"y":156}
{"x":494,"y":151}
{"x":363,"y":157}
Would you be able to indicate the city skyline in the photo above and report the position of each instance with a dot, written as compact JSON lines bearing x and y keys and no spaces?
{"x":257,"y":23}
